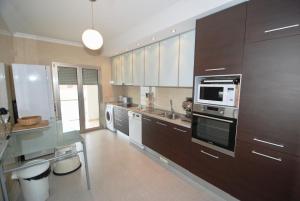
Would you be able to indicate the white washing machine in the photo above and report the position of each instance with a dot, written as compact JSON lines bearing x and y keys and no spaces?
{"x":109,"y":117}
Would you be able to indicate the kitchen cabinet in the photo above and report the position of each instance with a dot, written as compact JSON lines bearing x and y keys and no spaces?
{"x":168,"y":62}
{"x":127,"y":68}
{"x":138,"y":67}
{"x":220,"y":42}
{"x":214,"y":167}
{"x":269,"y":104}
{"x":118,"y":70}
{"x":151,"y":64}
{"x":186,"y":59}
{"x":167,"y":139}
{"x":121,"y":120}
{"x":269,"y":19}
{"x":265,"y":174}
{"x":114,"y":67}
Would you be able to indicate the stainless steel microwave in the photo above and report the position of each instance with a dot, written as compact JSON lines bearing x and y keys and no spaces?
{"x":217,"y":90}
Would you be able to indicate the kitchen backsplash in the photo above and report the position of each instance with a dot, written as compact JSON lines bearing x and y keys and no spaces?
{"x":162,"y":96}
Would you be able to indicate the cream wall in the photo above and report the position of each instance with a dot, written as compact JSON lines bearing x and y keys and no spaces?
{"x":6,"y":44}
{"x":163,"y":96}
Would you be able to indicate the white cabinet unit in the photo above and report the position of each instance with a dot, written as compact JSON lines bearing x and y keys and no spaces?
{"x":127,"y":68}
{"x":138,"y":66}
{"x":169,"y":54}
{"x":151,"y":64}
{"x":114,"y":67}
{"x":119,"y":70}
{"x":186,"y":59}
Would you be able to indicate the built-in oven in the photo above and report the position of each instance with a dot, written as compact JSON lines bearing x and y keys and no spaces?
{"x":217,"y":90}
{"x":215,"y":127}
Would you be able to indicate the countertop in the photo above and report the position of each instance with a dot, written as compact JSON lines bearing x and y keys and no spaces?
{"x":146,"y":112}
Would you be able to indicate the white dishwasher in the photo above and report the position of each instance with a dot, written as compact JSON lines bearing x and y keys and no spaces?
{"x":135,"y":128}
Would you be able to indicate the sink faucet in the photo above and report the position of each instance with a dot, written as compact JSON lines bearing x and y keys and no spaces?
{"x":172,"y":109}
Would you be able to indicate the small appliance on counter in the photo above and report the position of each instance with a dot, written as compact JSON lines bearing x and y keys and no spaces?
{"x":215,"y":112}
{"x":125,"y":101}
{"x":187,"y":105}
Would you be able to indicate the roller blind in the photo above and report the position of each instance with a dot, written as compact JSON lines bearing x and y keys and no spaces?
{"x":67,"y":76}
{"x":89,"y":77}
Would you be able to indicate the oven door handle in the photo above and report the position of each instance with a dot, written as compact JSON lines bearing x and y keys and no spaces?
{"x":214,"y":118}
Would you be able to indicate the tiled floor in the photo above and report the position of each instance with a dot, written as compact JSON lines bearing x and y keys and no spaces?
{"x":121,"y":172}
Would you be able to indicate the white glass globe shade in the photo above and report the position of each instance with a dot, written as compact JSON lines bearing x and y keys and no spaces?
{"x":92,"y":39}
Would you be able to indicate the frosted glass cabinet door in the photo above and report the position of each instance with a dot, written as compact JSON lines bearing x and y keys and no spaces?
{"x":127,"y":68}
{"x":138,"y":66}
{"x":151,"y":64}
{"x":114,"y":67}
{"x":186,"y":60}
{"x":119,"y":70}
{"x":169,"y":55}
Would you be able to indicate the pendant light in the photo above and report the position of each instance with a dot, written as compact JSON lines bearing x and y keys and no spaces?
{"x":91,"y":38}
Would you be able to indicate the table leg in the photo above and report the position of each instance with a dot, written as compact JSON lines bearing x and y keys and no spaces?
{"x":86,"y":166}
{"x":3,"y":185}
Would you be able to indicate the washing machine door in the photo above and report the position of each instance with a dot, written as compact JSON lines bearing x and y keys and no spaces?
{"x":108,"y":117}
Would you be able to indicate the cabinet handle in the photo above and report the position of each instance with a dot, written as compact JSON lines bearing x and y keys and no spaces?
{"x":183,"y":131}
{"x":266,"y":156}
{"x":266,"y":142}
{"x":161,"y":123}
{"x":214,"y":69}
{"x":213,"y":118}
{"x":147,"y":119}
{"x":282,"y":28}
{"x":208,"y":154}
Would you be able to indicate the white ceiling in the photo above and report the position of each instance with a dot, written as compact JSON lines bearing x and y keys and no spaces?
{"x":122,"y":23}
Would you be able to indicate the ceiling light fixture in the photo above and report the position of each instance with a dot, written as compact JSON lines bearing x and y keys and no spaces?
{"x":173,"y":30}
{"x":153,"y":38}
{"x":91,"y":38}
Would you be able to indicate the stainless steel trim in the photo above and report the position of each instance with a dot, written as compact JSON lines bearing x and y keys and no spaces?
{"x":281,"y":28}
{"x":214,"y":147}
{"x":266,"y":156}
{"x":208,"y":154}
{"x":183,"y":131}
{"x":147,"y":119}
{"x":214,"y":69}
{"x":266,"y":142}
{"x":208,"y":117}
{"x":162,"y":124}
{"x":219,"y":81}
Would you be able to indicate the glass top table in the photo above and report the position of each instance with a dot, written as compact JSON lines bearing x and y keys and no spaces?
{"x":36,"y":140}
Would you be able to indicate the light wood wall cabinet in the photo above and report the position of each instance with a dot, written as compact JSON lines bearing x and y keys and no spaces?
{"x":114,"y":67}
{"x":151,"y":64}
{"x":186,"y":59}
{"x":127,"y":68}
{"x":138,"y":67}
{"x":168,"y":62}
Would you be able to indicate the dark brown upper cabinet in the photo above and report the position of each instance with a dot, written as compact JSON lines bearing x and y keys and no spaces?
{"x":220,"y":42}
{"x":267,"y":19}
{"x":270,"y":95}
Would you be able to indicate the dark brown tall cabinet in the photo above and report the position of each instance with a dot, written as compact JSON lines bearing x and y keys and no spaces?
{"x":220,"y":42}
{"x":268,"y":146}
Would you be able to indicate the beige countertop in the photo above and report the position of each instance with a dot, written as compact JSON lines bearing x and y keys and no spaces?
{"x":177,"y":121}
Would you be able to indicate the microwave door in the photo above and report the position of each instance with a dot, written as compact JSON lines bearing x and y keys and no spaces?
{"x":211,"y":93}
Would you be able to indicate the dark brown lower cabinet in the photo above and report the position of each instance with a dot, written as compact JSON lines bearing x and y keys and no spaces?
{"x":169,"y":140}
{"x":266,"y":175}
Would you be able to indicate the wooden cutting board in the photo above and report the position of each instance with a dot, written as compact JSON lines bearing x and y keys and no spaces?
{"x":18,"y":127}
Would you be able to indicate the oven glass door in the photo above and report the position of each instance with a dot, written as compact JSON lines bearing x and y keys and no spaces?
{"x":215,"y":130}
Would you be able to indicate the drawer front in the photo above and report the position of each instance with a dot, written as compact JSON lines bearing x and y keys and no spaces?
{"x":265,"y":174}
{"x":267,"y":19}
{"x":213,"y":166}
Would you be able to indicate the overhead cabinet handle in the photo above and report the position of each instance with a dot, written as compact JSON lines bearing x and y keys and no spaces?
{"x":282,"y":28}
{"x":183,"y":131}
{"x":270,"y":143}
{"x":214,"y":69}
{"x":208,"y":154}
{"x":266,"y":156}
{"x":159,"y":123}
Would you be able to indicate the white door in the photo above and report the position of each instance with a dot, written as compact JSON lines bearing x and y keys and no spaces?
{"x":151,"y":64}
{"x":186,"y":59}
{"x":138,"y":66}
{"x":168,"y":66}
{"x":127,"y":73}
{"x":33,"y":90}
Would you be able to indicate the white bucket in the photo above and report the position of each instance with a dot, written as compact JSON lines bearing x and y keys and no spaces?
{"x":34,"y":181}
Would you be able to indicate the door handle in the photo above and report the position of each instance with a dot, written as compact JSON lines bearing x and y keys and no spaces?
{"x":208,"y":154}
{"x":183,"y":131}
{"x":162,"y":124}
{"x":266,"y":156}
{"x":270,"y":143}
{"x":214,"y":69}
{"x":282,"y":28}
